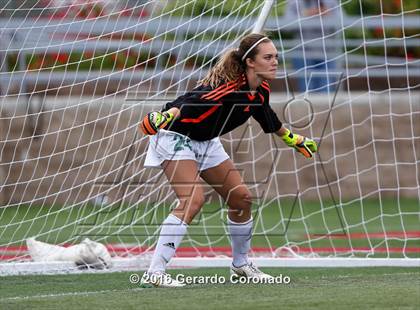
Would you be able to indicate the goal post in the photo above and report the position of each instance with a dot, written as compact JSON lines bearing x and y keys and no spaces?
{"x":262,"y":18}
{"x":77,"y":76}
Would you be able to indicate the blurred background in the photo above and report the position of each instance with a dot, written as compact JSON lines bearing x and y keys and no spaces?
{"x":77,"y":76}
{"x":60,"y":42}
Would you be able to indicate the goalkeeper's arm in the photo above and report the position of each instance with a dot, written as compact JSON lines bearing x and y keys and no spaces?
{"x":301,"y":144}
{"x":154,"y":121}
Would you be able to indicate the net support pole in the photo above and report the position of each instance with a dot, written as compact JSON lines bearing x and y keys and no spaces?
{"x":265,"y":11}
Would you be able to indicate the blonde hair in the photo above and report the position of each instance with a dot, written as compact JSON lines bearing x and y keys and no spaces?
{"x":231,"y":66}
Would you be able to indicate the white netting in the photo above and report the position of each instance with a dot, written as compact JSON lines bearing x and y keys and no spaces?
{"x":76,"y":77}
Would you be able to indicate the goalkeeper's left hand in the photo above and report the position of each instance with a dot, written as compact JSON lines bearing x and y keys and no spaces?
{"x":301,"y":144}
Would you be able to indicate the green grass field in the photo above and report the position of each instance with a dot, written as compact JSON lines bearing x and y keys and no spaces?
{"x":275,"y":225}
{"x":310,"y":288}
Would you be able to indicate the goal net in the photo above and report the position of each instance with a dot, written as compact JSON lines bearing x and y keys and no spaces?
{"x":77,"y":76}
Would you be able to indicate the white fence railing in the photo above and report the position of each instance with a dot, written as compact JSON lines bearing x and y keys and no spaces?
{"x":24,"y":37}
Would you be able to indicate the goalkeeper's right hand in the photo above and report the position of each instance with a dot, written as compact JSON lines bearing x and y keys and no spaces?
{"x":154,"y":121}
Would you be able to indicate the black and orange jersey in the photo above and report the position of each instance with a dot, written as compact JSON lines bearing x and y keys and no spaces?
{"x":207,"y":113}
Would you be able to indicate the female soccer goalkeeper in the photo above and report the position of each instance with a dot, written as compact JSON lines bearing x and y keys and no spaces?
{"x":185,"y":143}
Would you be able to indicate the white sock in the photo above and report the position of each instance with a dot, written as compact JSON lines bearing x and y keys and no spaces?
{"x":171,"y":234}
{"x":240,"y":238}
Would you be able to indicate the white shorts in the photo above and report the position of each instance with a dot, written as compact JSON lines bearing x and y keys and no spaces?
{"x":169,"y":145}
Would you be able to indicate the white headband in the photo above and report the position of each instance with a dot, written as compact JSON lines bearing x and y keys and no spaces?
{"x":252,"y":47}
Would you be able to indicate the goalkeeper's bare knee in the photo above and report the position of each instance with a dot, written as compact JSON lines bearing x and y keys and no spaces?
{"x":240,"y":203}
{"x":189,"y":208}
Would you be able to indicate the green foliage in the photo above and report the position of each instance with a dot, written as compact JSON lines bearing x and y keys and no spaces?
{"x":78,"y":61}
{"x":218,"y":8}
{"x":87,"y":61}
{"x":242,"y":8}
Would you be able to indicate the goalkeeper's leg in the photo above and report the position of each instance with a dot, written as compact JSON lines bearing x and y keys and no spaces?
{"x":227,"y":181}
{"x":184,"y":179}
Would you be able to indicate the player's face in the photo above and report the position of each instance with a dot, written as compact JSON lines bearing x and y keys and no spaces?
{"x":266,"y":61}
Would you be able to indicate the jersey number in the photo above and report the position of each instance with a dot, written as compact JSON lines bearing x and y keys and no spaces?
{"x":181,"y":143}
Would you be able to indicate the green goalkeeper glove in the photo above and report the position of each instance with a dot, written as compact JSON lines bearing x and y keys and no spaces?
{"x":154,"y":121}
{"x":301,"y":144}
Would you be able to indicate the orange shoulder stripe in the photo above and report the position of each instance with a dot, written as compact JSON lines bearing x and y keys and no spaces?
{"x":265,"y":87}
{"x":222,"y":92}
{"x":227,"y":92}
{"x":218,"y":89}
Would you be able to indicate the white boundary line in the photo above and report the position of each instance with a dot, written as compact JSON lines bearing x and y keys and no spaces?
{"x":137,"y":264}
